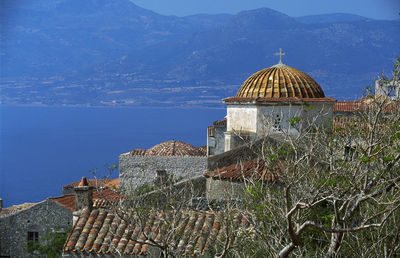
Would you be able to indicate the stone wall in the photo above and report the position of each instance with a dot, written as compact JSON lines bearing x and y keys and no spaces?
{"x":135,"y":170}
{"x":224,"y":189}
{"x":41,"y":218}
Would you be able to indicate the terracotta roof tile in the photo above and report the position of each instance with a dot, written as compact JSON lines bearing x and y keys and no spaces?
{"x":349,"y":106}
{"x":222,"y":122}
{"x":169,"y":148}
{"x":114,"y":183}
{"x":363,"y":105}
{"x":91,"y":182}
{"x":254,"y":169}
{"x":174,"y":148}
{"x":194,"y":232}
{"x":101,"y":198}
{"x":203,"y":150}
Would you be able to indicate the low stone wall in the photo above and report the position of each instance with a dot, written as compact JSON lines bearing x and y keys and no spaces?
{"x":136,"y":170}
{"x":224,"y":189}
{"x":41,"y":218}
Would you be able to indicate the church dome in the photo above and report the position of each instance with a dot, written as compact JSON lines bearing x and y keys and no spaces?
{"x":280,"y":81}
{"x":174,"y":148}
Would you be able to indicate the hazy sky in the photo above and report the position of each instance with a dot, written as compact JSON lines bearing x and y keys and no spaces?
{"x":378,"y":9}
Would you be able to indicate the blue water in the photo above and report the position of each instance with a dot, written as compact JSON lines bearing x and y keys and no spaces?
{"x":44,"y":148}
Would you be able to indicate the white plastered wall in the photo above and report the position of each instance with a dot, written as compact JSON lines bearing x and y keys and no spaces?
{"x":272,"y":118}
{"x":242,"y":118}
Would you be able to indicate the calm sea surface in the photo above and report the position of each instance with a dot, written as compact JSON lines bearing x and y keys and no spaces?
{"x":44,"y":148}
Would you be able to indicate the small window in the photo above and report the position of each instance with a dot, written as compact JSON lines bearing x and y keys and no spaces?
{"x":33,"y":236}
{"x":277,"y":123}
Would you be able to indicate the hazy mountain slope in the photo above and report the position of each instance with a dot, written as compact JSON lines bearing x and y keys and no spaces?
{"x":330,"y":18}
{"x":340,"y":56}
{"x":112,"y":52}
{"x":70,"y":35}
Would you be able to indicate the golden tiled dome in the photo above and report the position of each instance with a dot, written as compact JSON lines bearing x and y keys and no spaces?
{"x":280,"y":81}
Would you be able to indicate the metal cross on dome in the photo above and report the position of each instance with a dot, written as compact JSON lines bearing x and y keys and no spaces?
{"x":280,"y":54}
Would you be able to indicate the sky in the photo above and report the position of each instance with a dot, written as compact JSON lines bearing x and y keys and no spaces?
{"x":376,"y":9}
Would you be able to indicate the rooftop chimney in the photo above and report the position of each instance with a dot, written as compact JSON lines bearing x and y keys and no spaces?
{"x":83,"y":195}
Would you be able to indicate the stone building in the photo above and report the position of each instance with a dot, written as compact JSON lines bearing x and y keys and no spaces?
{"x":267,"y":103}
{"x":271,"y":102}
{"x":28,"y":222}
{"x":31,"y":221}
{"x":172,"y":159}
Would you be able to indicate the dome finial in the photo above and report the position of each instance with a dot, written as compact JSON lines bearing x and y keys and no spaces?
{"x":280,"y":54}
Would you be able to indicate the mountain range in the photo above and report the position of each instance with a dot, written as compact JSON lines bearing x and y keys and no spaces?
{"x":113,"y":52}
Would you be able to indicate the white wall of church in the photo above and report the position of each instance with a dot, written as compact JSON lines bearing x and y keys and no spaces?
{"x":242,"y":118}
{"x":275,"y":118}
{"x":319,"y":113}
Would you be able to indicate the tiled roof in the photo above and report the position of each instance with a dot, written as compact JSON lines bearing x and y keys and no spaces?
{"x":174,"y":148}
{"x":292,"y":99}
{"x":114,"y":183}
{"x":169,"y":148}
{"x":91,"y":182}
{"x":349,"y":106}
{"x":191,"y":232}
{"x":364,"y":104}
{"x":254,"y":169}
{"x":15,"y":209}
{"x":203,"y":150}
{"x":139,"y":152}
{"x":280,"y":81}
{"x":101,"y":198}
{"x":222,"y":122}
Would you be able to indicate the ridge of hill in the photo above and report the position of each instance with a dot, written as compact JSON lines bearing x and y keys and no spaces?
{"x":112,"y":52}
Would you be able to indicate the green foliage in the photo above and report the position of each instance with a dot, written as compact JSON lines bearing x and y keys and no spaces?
{"x":51,"y":244}
{"x":294,"y":120}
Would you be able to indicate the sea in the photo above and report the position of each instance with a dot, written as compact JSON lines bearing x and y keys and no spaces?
{"x":44,"y":148}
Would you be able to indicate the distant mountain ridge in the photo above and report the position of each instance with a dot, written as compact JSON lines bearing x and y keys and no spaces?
{"x":112,"y":52}
{"x":330,"y":18}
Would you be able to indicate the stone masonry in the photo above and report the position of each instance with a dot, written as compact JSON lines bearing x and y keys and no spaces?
{"x":136,"y":170}
{"x":38,"y":220}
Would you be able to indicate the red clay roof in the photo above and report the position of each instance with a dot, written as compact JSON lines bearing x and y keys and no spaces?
{"x":170,"y":148}
{"x":114,"y":183}
{"x":222,"y":122}
{"x":91,"y":182}
{"x":173,"y":148}
{"x":349,"y":106}
{"x":364,"y":104}
{"x":194,"y":232}
{"x":139,"y":152}
{"x":254,"y":169}
{"x":203,"y":150}
{"x":101,"y":198}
